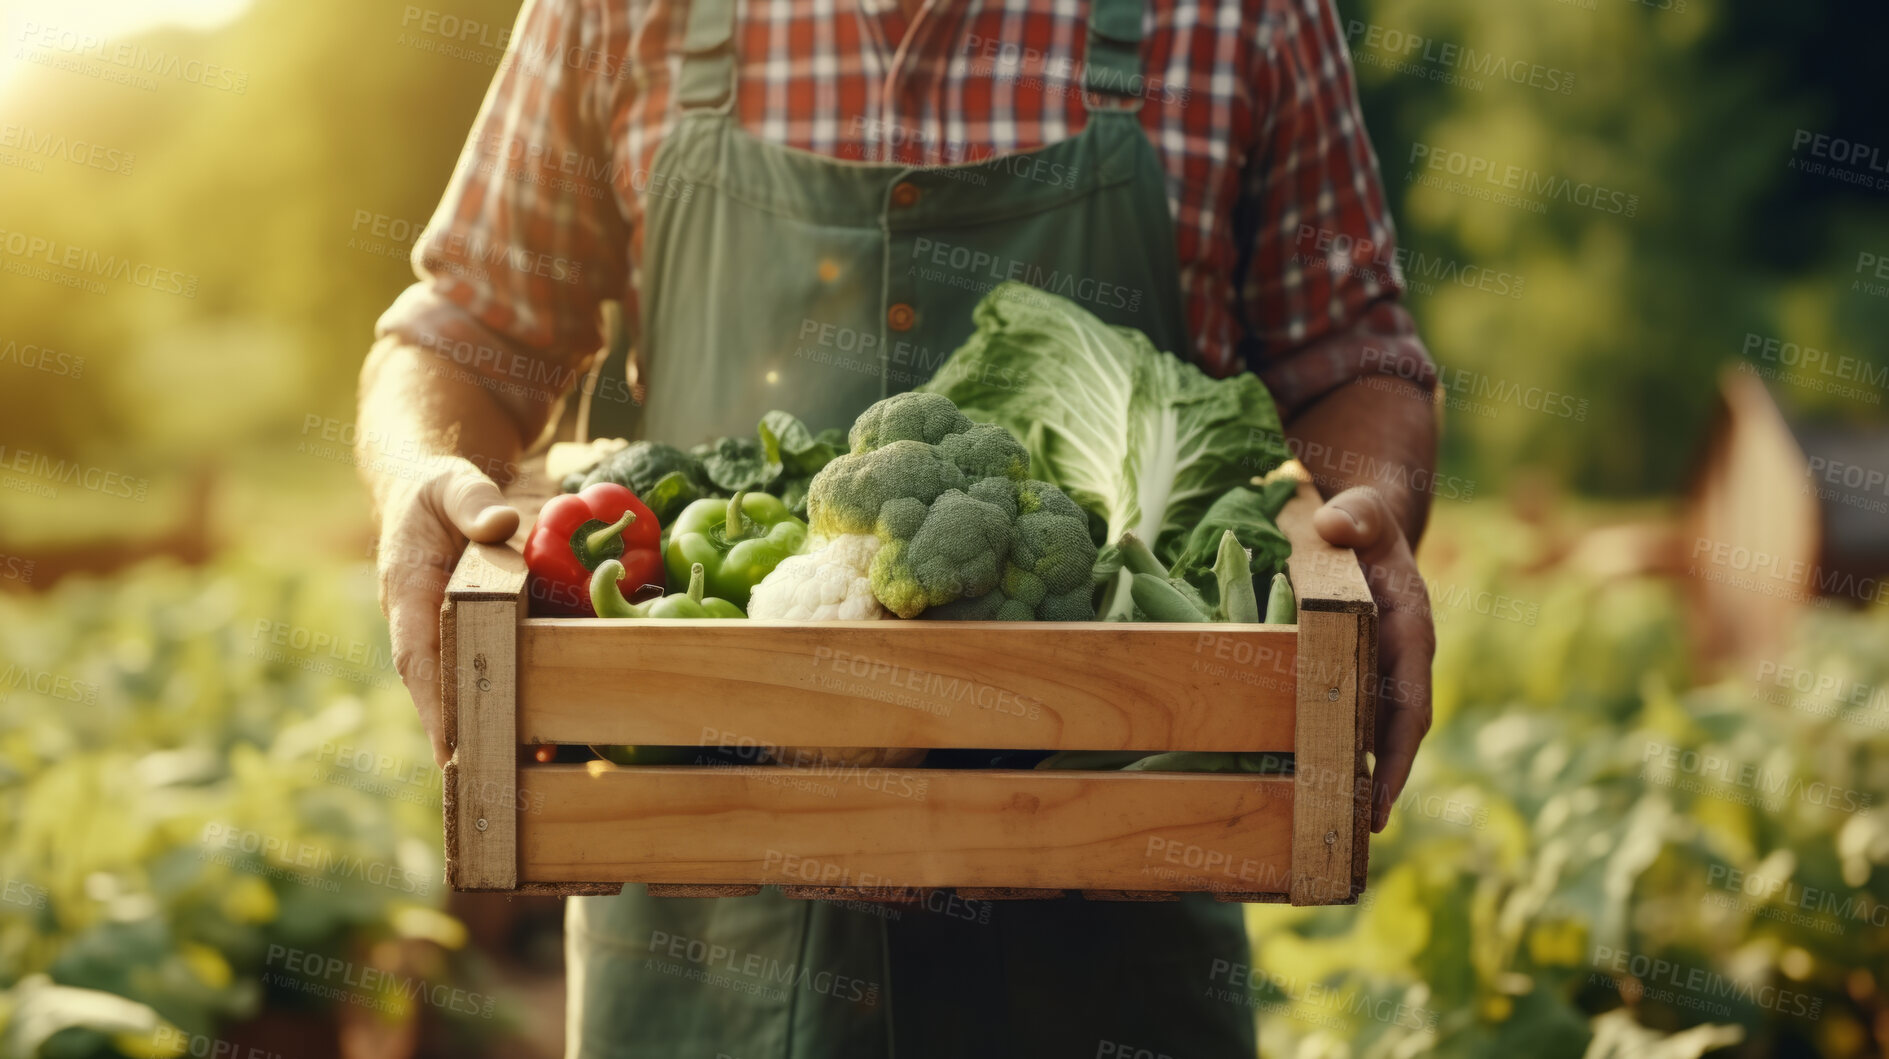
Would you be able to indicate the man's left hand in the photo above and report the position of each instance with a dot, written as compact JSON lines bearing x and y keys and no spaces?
{"x":1359,"y":519}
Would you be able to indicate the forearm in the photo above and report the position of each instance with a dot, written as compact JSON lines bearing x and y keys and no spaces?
{"x":415,"y":411}
{"x":1378,"y":430}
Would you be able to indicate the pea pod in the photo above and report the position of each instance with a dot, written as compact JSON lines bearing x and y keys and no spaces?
{"x":1281,"y":608}
{"x":1161,"y":601}
{"x":1234,"y":570}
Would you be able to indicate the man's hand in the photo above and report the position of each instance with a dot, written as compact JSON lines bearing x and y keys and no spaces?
{"x":1359,"y":519}
{"x":423,"y":531}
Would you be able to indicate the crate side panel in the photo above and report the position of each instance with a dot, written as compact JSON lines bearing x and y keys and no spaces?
{"x":905,"y":828}
{"x":1085,"y":686}
{"x":1326,"y":759}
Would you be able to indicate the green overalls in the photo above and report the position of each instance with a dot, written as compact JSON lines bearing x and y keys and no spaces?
{"x":776,"y":278}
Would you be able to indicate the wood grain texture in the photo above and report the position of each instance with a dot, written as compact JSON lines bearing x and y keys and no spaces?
{"x":1032,"y":686}
{"x":483,"y":837}
{"x":487,"y":572}
{"x":996,"y":828}
{"x":1323,"y":577}
{"x":695,"y":890}
{"x":1007,"y":893}
{"x":1325,"y":760}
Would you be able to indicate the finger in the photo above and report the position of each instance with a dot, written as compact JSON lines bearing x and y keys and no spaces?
{"x":1407,"y":644}
{"x":473,"y":504}
{"x":412,"y":594}
{"x":1359,"y":519}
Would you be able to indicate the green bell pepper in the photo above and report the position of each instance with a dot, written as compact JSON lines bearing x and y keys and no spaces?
{"x":738,"y":542}
{"x":608,"y":599}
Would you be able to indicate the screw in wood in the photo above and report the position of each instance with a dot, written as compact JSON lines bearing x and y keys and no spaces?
{"x":480,"y":824}
{"x":486,"y":685}
{"x":1332,"y":694}
{"x":1331,"y":837}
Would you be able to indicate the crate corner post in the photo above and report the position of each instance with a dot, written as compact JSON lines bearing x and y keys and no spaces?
{"x":485,"y":601}
{"x":1336,"y":707}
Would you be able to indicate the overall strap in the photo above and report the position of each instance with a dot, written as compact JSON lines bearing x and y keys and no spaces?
{"x":1113,"y":64}
{"x":708,"y":56}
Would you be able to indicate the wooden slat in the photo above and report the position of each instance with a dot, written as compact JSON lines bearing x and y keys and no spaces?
{"x":482,"y":840}
{"x":1326,"y":765}
{"x":1323,"y":577}
{"x":488,"y":572}
{"x":1130,"y":895}
{"x":1007,"y":893}
{"x":1032,"y":686}
{"x":996,"y":828}
{"x":692,"y":890}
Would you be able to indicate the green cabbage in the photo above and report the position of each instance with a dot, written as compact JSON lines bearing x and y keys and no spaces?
{"x":1141,"y":438}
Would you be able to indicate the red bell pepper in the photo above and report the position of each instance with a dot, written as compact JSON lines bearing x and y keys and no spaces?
{"x":577,"y":532}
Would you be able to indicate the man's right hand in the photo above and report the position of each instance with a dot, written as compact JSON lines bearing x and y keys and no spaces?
{"x":424,"y":528}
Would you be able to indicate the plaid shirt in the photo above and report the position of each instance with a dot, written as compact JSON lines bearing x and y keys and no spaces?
{"x":1283,"y":238}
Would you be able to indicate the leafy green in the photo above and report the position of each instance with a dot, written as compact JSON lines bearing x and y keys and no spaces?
{"x":1249,"y":512}
{"x":735,"y":463}
{"x":1133,"y":434}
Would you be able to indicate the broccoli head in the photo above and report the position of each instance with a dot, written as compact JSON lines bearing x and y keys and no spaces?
{"x":965,"y":532}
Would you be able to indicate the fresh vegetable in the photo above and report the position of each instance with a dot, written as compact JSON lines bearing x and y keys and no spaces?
{"x":1234,"y":573}
{"x":578,"y":534}
{"x":1250,"y":513}
{"x":666,"y":478}
{"x":738,"y":542}
{"x":964,"y":532}
{"x":1133,"y":434}
{"x":1281,"y":608}
{"x":609,"y":602}
{"x":1160,"y":596}
{"x":734,"y":463}
{"x":833,"y":583}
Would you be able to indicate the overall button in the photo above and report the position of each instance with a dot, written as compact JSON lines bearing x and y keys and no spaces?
{"x":905,"y":194}
{"x":901,"y":316}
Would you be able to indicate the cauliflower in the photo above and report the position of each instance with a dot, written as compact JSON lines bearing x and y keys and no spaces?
{"x":831,"y":583}
{"x":964,"y":532}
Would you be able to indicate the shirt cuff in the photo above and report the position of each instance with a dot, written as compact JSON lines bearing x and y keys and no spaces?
{"x":1382,"y":341}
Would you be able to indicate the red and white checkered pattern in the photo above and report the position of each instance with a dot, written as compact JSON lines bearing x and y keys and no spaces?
{"x":1249,"y":104}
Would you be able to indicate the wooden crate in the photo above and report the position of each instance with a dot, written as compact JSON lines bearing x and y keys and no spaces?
{"x":513,"y":682}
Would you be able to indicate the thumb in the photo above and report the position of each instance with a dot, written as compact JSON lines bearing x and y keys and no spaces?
{"x":1360,"y":520}
{"x":473,"y":504}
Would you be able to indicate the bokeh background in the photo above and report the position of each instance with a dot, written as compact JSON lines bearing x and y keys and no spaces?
{"x":1647,"y":822}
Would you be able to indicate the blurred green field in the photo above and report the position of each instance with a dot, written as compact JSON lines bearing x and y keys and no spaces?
{"x":222,"y":779}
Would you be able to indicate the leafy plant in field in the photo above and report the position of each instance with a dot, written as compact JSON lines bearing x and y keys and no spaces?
{"x":1591,"y":861}
{"x":207,"y":779}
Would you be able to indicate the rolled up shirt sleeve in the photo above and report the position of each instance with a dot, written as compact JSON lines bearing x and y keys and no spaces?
{"x":1318,"y":283}
{"x":529,"y":237}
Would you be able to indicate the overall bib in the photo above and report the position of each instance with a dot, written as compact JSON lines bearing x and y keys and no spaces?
{"x":777,"y":278}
